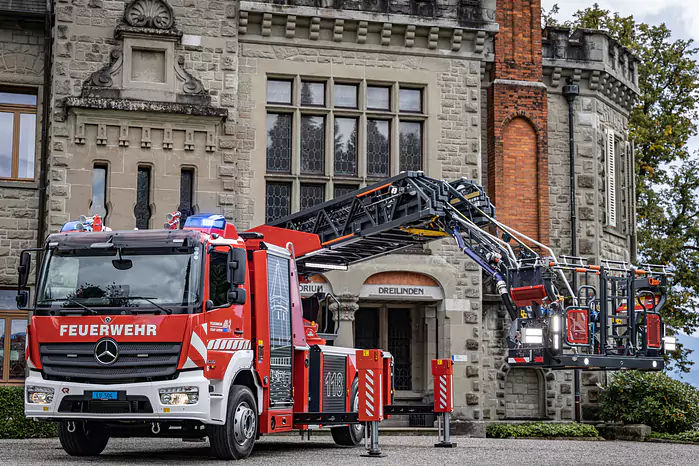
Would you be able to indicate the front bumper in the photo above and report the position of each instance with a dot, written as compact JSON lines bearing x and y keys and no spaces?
{"x":196,"y":412}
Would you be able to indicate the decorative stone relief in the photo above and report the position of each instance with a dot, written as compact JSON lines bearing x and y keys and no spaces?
{"x":155,"y":14}
{"x":124,"y":136}
{"x":146,"y":142}
{"x":190,"y":84}
{"x":105,"y":76}
{"x":189,"y":140}
{"x":267,"y":24}
{"x":167,"y":138}
{"x":101,"y":135}
{"x":338,"y":30}
{"x":556,"y":76}
{"x":480,"y":42}
{"x":348,"y":305}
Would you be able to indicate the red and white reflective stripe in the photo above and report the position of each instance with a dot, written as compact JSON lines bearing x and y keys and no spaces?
{"x":197,"y":354}
{"x":443,"y":391}
{"x":518,"y":360}
{"x":369,"y":377}
{"x":229,"y":344}
{"x":30,"y":364}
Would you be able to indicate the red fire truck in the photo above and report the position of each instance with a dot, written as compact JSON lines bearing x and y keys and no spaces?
{"x":201,"y":331}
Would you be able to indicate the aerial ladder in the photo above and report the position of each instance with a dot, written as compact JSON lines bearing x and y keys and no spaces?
{"x":611,"y":321}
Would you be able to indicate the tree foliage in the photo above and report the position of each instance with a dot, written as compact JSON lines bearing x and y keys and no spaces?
{"x":667,"y":174}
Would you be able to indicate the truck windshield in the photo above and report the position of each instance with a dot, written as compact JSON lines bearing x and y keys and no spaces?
{"x":148,"y":280}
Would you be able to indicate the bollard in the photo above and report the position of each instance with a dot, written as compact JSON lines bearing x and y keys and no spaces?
{"x":370,"y":366}
{"x":443,"y":373}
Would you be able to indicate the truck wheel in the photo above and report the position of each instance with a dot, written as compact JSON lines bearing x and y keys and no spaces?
{"x":234,"y":440}
{"x":351,"y":435}
{"x":87,"y":438}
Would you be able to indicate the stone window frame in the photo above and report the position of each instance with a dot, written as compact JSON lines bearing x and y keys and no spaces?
{"x":17,"y":110}
{"x":7,"y":316}
{"x":329,"y":112}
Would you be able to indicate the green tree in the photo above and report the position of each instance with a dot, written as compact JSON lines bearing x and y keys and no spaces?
{"x":667,"y":174}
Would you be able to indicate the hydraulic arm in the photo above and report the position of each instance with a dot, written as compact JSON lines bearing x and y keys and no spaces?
{"x":553,"y":325}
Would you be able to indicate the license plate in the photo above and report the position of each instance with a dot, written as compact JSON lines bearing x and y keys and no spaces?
{"x":104,"y":395}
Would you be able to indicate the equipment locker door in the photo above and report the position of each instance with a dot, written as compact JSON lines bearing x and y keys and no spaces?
{"x":280,"y":344}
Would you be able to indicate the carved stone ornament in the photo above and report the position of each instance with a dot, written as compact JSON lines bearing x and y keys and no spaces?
{"x":191,"y":84}
{"x":104,"y":76}
{"x":155,"y":14}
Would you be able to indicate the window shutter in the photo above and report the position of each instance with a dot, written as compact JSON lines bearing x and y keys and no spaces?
{"x":611,"y":180}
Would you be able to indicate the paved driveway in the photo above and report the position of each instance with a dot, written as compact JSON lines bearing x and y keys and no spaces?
{"x":399,"y":451}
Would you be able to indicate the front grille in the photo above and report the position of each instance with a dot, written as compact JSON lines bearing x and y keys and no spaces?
{"x":78,"y":404}
{"x":137,"y":362}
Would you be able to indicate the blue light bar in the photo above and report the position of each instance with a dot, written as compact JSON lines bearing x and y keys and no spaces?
{"x":72,"y":226}
{"x":206,"y":222}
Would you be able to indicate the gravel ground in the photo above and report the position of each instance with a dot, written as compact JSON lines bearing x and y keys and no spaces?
{"x":398,"y":450}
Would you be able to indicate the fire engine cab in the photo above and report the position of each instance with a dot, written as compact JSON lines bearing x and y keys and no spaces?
{"x":198,"y":330}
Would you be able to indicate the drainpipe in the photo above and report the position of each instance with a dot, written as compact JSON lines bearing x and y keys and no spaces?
{"x":571,"y":91}
{"x":45,"y":114}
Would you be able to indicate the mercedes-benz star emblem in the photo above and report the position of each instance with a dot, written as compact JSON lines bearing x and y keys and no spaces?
{"x":107,"y":320}
{"x":106,"y":351}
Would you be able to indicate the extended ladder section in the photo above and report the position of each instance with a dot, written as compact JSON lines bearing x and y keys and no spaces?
{"x":553,"y":325}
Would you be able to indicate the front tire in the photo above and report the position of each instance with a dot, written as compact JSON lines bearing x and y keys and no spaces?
{"x":351,"y":435}
{"x":235,"y":439}
{"x":87,"y":439}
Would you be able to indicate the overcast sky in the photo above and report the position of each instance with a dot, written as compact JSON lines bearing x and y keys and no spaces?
{"x":680,"y":16}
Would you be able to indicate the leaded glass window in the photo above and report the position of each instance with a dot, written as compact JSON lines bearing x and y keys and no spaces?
{"x":378,"y":133}
{"x":410,"y":100}
{"x":142,"y":210}
{"x":345,"y":146}
{"x":341,"y":189}
{"x":186,"y":207}
{"x":277,"y":200}
{"x":312,"y":195}
{"x":410,"y":146}
{"x":346,"y":95}
{"x":279,"y":92}
{"x":98,"y":206}
{"x":312,"y":144}
{"x":312,"y":94}
{"x":378,"y":98}
{"x":279,"y":142}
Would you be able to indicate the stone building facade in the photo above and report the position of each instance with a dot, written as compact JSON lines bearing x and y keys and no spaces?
{"x":256,"y":109}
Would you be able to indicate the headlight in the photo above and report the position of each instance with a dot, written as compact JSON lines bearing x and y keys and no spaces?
{"x":39,"y":395}
{"x":179,"y":395}
{"x":532,"y":336}
{"x":670,"y":344}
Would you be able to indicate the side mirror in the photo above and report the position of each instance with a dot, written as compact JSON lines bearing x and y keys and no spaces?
{"x":237,"y":267}
{"x":209,"y":305}
{"x":25,"y":261}
{"x":237,"y":296}
{"x":22,"y":299}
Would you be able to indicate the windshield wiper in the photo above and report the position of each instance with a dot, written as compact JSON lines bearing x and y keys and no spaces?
{"x":150,"y":300}
{"x":79,"y":304}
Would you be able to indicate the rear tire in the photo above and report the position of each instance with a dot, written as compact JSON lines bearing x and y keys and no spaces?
{"x":88,"y":439}
{"x":235,"y":439}
{"x":351,"y":435}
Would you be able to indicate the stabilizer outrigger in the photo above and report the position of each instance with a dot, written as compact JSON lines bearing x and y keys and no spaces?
{"x":553,"y":326}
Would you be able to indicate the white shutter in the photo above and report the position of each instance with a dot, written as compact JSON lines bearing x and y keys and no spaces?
{"x":611,"y":179}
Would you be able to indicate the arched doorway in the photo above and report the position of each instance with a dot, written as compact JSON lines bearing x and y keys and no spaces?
{"x":525,"y":394}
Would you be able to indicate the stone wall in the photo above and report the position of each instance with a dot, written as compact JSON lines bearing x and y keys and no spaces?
{"x":448,"y":69}
{"x":21,"y":65}
{"x":90,"y":38}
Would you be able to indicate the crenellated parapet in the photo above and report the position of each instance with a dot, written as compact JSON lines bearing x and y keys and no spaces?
{"x":419,"y":26}
{"x":593,"y":60}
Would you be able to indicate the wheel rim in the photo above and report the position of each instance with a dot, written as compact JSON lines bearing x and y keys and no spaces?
{"x":243,"y":423}
{"x":358,"y":428}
